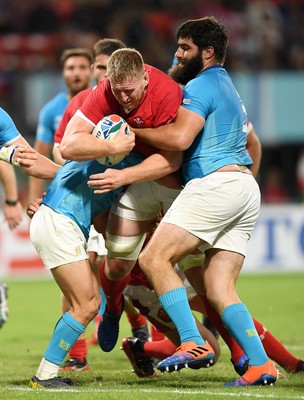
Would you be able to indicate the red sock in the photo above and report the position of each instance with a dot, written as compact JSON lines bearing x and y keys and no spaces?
{"x":235,"y":350}
{"x":79,"y":350}
{"x":113,"y":291}
{"x":137,"y":321}
{"x":274,"y":349}
{"x":97,"y":321}
{"x":156,"y":335}
{"x":159,"y":349}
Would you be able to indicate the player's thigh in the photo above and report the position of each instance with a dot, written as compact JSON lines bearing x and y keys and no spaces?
{"x":57,"y":239}
{"x":170,"y":243}
{"x":77,"y":282}
{"x":138,"y":207}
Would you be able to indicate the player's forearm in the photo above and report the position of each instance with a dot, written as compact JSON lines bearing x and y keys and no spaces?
{"x":42,"y":168}
{"x":9,"y":181}
{"x":163,"y":139}
{"x":153,"y":168}
{"x":79,"y":144}
{"x":83,"y":147}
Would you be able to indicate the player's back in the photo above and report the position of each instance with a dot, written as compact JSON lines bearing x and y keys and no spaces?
{"x":222,"y":141}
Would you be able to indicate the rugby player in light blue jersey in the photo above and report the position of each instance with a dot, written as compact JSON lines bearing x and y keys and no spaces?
{"x":76,"y":72}
{"x":216,"y":211}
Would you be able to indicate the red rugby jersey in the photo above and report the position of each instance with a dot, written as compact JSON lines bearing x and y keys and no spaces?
{"x":159,"y":105}
{"x":72,"y":107}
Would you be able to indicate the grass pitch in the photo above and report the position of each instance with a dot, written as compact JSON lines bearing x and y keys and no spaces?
{"x":276,"y":300}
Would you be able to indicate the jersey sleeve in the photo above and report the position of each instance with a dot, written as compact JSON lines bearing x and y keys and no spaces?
{"x":171,"y":99}
{"x":8,"y":130}
{"x":197,"y":100}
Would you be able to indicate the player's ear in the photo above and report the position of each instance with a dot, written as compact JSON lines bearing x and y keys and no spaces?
{"x":146,"y":78}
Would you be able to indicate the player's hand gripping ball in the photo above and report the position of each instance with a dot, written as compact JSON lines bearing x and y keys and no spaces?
{"x":107,"y":129}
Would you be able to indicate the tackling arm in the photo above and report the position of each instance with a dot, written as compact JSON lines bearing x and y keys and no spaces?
{"x":33,"y":163}
{"x":178,"y":135}
{"x":156,"y":166}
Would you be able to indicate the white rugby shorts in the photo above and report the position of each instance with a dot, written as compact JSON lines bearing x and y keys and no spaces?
{"x":221,"y":209}
{"x":96,"y":242}
{"x":57,"y":239}
{"x":143,"y":201}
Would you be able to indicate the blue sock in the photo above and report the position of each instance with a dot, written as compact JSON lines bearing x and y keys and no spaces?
{"x":239,"y":323}
{"x":103,"y":302}
{"x":65,"y":334}
{"x":175,"y":303}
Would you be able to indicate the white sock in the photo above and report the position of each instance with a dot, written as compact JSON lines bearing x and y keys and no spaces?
{"x":47,"y":370}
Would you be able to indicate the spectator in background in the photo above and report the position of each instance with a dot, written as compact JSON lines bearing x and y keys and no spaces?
{"x":76,"y":72}
{"x":273,"y":190}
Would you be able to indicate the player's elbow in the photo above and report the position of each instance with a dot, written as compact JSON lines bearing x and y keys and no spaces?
{"x":181,"y":143}
{"x":66,"y":151}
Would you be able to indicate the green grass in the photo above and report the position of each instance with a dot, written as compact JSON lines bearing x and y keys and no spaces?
{"x":276,"y":300}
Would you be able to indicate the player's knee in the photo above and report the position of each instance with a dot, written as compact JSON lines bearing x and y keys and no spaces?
{"x":118,"y":268}
{"x":124,"y":247}
{"x":145,"y":261}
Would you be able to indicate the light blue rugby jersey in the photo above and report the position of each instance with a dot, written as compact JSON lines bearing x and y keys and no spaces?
{"x":69,"y":194}
{"x":8,"y":130}
{"x":50,"y":117}
{"x":222,"y":141}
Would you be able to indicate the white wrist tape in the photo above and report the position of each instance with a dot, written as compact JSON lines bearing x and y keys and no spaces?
{"x":7,"y":154}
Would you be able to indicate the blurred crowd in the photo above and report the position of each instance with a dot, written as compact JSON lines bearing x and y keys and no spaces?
{"x":264,"y":34}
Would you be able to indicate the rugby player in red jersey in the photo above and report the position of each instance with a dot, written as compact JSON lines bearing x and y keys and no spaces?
{"x":77,"y":361}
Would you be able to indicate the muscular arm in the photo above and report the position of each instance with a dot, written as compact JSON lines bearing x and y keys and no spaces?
{"x":78,"y":143}
{"x":178,"y":135}
{"x":37,"y":186}
{"x":159,"y":165}
{"x":254,"y":148}
{"x":57,"y":155}
{"x":40,"y":166}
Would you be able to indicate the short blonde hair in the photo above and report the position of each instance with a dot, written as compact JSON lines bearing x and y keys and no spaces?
{"x":125,"y":63}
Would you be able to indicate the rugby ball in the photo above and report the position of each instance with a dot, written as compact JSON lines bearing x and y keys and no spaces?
{"x":106,"y":129}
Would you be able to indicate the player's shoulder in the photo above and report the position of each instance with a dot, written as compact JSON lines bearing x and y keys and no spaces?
{"x":60,"y":101}
{"x":160,"y":82}
{"x":4,"y":116}
{"x":79,"y":98}
{"x":157,"y":75}
{"x":8,"y":130}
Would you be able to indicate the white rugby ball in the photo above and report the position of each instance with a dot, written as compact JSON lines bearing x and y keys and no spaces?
{"x":106,"y":129}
